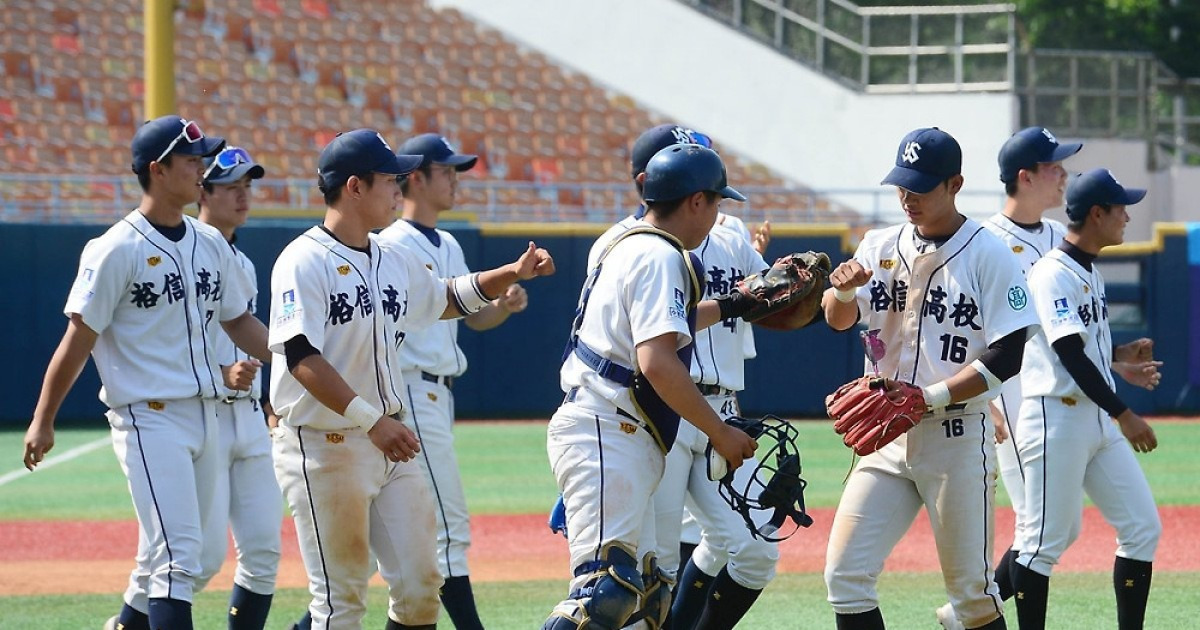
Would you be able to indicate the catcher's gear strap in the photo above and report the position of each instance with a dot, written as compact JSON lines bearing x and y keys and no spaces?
{"x":1003,"y":356}
{"x":1071,"y":353}
{"x":656,"y":600}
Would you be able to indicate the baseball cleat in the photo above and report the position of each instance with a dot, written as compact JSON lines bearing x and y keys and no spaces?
{"x":948,"y":618}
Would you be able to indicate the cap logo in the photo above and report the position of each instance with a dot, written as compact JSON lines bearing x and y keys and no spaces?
{"x":1049,"y":136}
{"x":910,"y":152}
{"x":380,"y":136}
{"x":682,"y":136}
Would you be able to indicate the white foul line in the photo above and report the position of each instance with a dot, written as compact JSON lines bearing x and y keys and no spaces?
{"x":52,"y":461}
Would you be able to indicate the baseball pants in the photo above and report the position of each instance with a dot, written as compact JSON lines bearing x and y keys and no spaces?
{"x":168,"y":451}
{"x":725,"y":537}
{"x":350,"y":502}
{"x":431,"y":412}
{"x":953,"y":478}
{"x":1069,"y":447}
{"x":1008,"y":460}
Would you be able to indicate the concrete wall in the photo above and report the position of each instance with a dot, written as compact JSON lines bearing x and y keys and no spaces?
{"x":754,"y":101}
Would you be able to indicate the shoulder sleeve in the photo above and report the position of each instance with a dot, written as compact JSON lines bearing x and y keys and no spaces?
{"x":101,"y":284}
{"x":427,"y":297}
{"x":1056,"y":300}
{"x":299,"y":298}
{"x":656,"y":292}
{"x":239,"y":291}
{"x":1003,"y":293}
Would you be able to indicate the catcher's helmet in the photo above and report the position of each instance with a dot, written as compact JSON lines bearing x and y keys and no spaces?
{"x":774,"y":487}
{"x":682,"y":169}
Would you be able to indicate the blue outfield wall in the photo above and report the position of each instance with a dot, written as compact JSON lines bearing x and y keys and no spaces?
{"x":514,"y":369}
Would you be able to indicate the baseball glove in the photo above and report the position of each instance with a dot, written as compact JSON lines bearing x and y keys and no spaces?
{"x":867,"y":419}
{"x":788,"y":295}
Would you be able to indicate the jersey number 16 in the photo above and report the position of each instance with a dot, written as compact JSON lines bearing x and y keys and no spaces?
{"x":954,"y":348}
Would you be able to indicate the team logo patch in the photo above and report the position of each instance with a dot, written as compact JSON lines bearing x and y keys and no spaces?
{"x":156,"y":405}
{"x":432,"y":396}
{"x":910,"y":152}
{"x":1061,"y":309}
{"x":629,"y":428}
{"x":1017,"y":298}
{"x":678,"y":310}
{"x":153,"y":261}
{"x":335,"y":438}
{"x":343,"y":270}
{"x":1068,"y":401}
{"x":887,"y":263}
{"x":1017,"y":249}
{"x":1087,"y":289}
{"x":429,"y":266}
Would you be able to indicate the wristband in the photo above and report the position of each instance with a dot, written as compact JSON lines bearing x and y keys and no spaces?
{"x":936,"y":395}
{"x":362,"y":414}
{"x":733,"y":305}
{"x":844,"y":296}
{"x":468,"y":295}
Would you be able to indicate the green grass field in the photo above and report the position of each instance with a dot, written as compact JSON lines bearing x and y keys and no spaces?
{"x":505,"y":471}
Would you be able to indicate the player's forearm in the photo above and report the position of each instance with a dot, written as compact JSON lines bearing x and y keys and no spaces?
{"x":250,"y":335}
{"x":470,"y":294}
{"x":838,"y":314}
{"x":64,"y":369}
{"x":490,"y":317}
{"x":708,"y":312}
{"x":324,"y":382}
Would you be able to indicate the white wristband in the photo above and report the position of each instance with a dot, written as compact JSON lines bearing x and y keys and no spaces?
{"x":936,"y":395}
{"x":468,"y":295}
{"x":844,"y":295}
{"x":361,"y":413}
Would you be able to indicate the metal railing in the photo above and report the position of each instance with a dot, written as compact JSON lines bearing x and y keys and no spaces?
{"x":92,"y":199}
{"x":966,"y":48}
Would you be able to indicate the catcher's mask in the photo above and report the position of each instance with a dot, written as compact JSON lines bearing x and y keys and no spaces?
{"x":773,"y":486}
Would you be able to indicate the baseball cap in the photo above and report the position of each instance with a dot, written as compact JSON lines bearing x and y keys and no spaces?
{"x":231,"y":165}
{"x":436,"y":149}
{"x":360,"y":152}
{"x":658,"y":138}
{"x":167,"y":135}
{"x":926,"y":158}
{"x":1029,"y":147}
{"x":1098,"y":187}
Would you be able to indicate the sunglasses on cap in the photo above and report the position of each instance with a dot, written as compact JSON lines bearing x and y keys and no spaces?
{"x":191,"y":133}
{"x":227,"y":159}
{"x":701,"y":139}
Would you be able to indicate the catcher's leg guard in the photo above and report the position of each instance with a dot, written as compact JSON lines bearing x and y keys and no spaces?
{"x":656,"y":600}
{"x":606,"y":599}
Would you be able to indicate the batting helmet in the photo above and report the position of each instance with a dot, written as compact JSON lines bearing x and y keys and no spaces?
{"x":682,"y":169}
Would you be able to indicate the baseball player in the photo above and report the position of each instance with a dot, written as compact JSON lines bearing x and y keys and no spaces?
{"x":1034,"y":181}
{"x":1068,"y":442}
{"x":431,"y":358}
{"x":627,"y":383}
{"x":344,"y":301}
{"x":146,"y":304}
{"x":941,"y":293}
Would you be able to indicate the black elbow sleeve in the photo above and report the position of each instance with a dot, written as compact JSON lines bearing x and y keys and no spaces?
{"x":296,"y":350}
{"x":1003,"y":357}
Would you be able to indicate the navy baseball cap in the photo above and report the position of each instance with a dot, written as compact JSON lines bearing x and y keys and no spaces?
{"x":231,"y":165}
{"x":435,"y":149}
{"x":360,"y":152}
{"x":1098,"y":187}
{"x":926,"y":158}
{"x":1029,"y":147}
{"x":168,"y":135}
{"x":658,"y":138}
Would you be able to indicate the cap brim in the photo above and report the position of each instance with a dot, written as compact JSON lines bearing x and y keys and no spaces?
{"x":401,"y":165}
{"x":255,"y":171}
{"x":1064,"y":151}
{"x":729,"y":192}
{"x":460,"y":162}
{"x":205,"y":147}
{"x":911,"y":180}
{"x":1132,"y":196}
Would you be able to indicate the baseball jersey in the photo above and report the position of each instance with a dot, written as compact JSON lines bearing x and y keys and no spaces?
{"x":155,"y":304}
{"x":434,"y":349}
{"x":720,"y":354}
{"x":355,"y":307}
{"x":939,"y":309}
{"x":1068,"y":300}
{"x":641,"y":293}
{"x":226,"y":352}
{"x":618,"y":228}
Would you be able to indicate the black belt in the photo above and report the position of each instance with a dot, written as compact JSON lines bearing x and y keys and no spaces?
{"x":713,"y":390}
{"x":952,"y":408}
{"x":574,"y":391}
{"x":448,"y":381}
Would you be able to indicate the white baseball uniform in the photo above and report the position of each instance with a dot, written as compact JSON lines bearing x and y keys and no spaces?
{"x":606,"y":459}
{"x":1068,"y":444}
{"x":937,"y":308}
{"x":431,"y":359}
{"x":1028,"y":245}
{"x":718,"y":368}
{"x":347,"y":498}
{"x":156,"y":304}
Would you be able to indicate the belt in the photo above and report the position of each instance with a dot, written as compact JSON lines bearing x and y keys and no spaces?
{"x":714,"y":390}
{"x":228,"y":400}
{"x":573,"y":393}
{"x":448,"y":381}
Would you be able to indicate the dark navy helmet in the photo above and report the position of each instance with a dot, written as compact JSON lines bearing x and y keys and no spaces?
{"x":682,"y":169}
